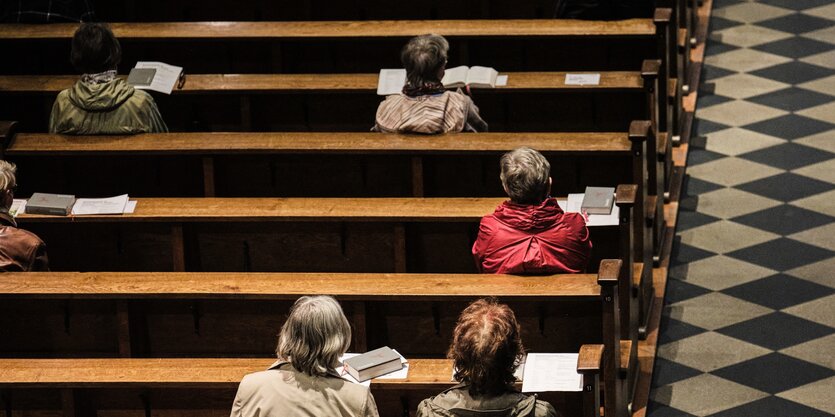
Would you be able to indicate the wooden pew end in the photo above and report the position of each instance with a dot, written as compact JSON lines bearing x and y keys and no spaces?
{"x":662,"y":14}
{"x":626,"y":195}
{"x":609,"y":271}
{"x":590,"y":360}
{"x":7,"y":130}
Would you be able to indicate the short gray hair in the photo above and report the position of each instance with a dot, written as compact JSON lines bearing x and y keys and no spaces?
{"x":423,"y":57}
{"x":315,"y":335}
{"x":7,"y":175}
{"x":524,"y":175}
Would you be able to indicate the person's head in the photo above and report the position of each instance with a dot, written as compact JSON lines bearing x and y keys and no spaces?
{"x":8,"y":183}
{"x":315,"y":335}
{"x":95,"y":49}
{"x":525,"y":176}
{"x":486,"y":347}
{"x":424,"y":58}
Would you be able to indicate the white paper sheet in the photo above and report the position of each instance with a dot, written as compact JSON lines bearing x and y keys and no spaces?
{"x":130,"y":207}
{"x":391,"y":81}
{"x":112,"y":205}
{"x":501,"y":81}
{"x":582,"y":79}
{"x":164,"y":80}
{"x":18,"y":206}
{"x":551,"y":372}
{"x":403,"y":373}
{"x":575,"y":201}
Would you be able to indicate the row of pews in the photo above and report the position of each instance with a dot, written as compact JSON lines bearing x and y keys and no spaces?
{"x":270,"y":187}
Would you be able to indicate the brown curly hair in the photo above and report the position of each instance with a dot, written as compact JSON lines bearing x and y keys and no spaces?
{"x":486,"y":347}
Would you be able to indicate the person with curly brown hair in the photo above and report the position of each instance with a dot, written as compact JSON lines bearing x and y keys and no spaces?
{"x":486,"y":350}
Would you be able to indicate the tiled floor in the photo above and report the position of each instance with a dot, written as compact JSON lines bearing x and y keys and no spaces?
{"x":748,"y":327}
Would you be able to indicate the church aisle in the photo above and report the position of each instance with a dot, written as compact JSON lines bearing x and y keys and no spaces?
{"x":748,"y":326}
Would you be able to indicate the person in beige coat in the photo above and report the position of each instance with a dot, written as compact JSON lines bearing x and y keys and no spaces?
{"x":304,"y":381}
{"x":424,"y":105}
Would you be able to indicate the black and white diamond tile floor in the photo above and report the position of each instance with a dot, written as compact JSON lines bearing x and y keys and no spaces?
{"x":748,"y":326}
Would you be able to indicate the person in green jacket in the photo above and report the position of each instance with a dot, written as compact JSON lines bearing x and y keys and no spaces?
{"x":101,"y":103}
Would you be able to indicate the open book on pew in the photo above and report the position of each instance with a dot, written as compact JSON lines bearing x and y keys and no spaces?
{"x":391,"y":81}
{"x":156,"y":76}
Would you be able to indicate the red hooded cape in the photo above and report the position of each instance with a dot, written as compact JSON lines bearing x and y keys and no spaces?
{"x":532,"y":239}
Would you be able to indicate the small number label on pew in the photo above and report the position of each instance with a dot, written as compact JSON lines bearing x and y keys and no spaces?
{"x":582,"y":79}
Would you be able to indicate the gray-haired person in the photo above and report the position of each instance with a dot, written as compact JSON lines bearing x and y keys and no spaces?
{"x":20,"y":250}
{"x":304,"y":382}
{"x":530,"y":234}
{"x":424,"y":105}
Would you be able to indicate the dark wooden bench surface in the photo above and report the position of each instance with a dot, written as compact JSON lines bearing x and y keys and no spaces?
{"x":77,"y":380}
{"x":348,"y":102}
{"x":289,"y":286}
{"x":136,"y":314}
{"x":394,"y":234}
{"x":209,"y":143}
{"x":344,"y":29}
{"x":215,"y":83}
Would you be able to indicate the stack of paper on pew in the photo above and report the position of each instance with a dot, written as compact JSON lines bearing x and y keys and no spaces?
{"x":112,"y":205}
{"x":18,"y":207}
{"x":391,"y":81}
{"x":574,"y":204}
{"x":551,"y":372}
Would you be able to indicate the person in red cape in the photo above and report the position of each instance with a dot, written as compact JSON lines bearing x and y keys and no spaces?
{"x":530,"y":234}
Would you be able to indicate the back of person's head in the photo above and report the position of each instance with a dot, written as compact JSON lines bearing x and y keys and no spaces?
{"x":315,"y":335}
{"x":424,"y":57}
{"x":525,"y":175}
{"x":8,"y":173}
{"x":486,"y":347}
{"x":95,"y":49}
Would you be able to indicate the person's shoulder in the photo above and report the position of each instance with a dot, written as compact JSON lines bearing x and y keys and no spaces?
{"x":142,"y":96}
{"x":63,"y":97}
{"x":544,"y":409}
{"x":573,"y":219}
{"x":26,"y":236}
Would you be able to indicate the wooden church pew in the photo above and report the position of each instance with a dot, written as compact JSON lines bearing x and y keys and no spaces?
{"x":206,"y":387}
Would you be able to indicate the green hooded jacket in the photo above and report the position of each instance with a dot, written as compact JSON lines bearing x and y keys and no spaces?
{"x":113,"y":107}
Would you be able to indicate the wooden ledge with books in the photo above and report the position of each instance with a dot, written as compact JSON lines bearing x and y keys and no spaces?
{"x":77,"y":382}
{"x":347,"y":29}
{"x":294,"y":83}
{"x":295,"y":209}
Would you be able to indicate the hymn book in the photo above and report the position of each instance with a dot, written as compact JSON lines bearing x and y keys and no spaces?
{"x":391,"y":81}
{"x":373,"y":364}
{"x":55,"y":204}
{"x":481,"y":77}
{"x":598,"y":200}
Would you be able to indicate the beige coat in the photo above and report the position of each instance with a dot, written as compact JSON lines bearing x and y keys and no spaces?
{"x":281,"y":391}
{"x":451,"y":111}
